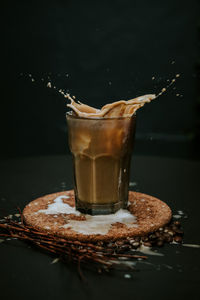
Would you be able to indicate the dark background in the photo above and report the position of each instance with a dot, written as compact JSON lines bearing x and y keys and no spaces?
{"x":110,"y":51}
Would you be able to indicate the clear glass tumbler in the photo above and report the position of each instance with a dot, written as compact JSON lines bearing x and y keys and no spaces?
{"x":101,"y":149}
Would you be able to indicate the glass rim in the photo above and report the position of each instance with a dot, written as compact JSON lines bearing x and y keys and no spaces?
{"x":69,"y":114}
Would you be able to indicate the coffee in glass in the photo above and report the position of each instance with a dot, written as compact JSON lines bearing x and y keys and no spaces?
{"x":101,"y":149}
{"x":101,"y":142}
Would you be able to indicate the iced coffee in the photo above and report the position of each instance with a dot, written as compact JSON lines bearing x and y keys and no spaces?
{"x":101,"y":143}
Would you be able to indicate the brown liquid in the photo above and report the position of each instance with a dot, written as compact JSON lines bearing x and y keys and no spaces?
{"x":99,"y":180}
{"x":101,"y":150}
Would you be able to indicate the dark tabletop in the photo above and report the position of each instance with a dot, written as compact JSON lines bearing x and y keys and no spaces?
{"x":27,"y":273}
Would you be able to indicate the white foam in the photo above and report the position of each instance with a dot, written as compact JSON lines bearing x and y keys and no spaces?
{"x":99,"y":224}
{"x":176,"y":216}
{"x":59,"y":207}
{"x":132,"y":183}
{"x":127,"y":263}
{"x":54,"y":261}
{"x":191,"y":245}
{"x":127,"y":276}
{"x":147,"y":250}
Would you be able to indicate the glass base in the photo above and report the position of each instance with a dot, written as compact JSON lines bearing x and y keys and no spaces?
{"x":98,"y":209}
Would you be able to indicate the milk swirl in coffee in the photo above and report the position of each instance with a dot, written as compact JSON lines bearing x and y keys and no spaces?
{"x":101,"y":142}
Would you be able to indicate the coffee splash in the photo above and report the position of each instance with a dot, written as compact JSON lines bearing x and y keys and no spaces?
{"x":120,"y":108}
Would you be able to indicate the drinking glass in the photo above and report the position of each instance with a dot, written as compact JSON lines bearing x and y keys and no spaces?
{"x":101,"y":150}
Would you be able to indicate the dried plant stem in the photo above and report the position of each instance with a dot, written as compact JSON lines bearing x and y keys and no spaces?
{"x":102,"y":255}
{"x":80,"y":252}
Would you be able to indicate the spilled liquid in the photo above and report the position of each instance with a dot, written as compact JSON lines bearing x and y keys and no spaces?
{"x":99,"y":224}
